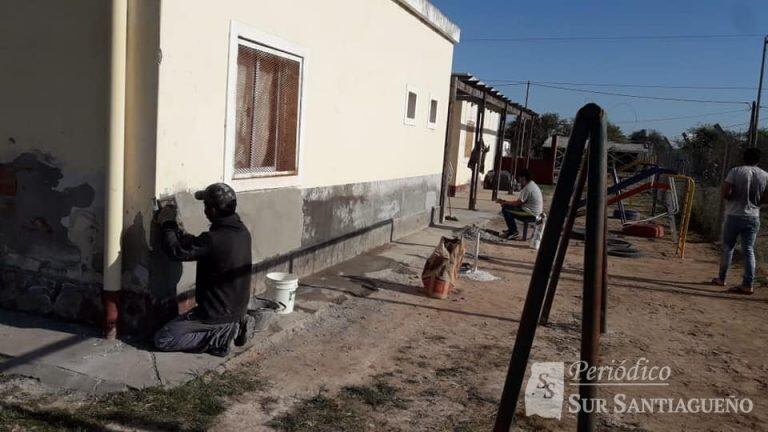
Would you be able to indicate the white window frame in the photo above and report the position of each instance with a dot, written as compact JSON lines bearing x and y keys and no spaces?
{"x":242,"y":34}
{"x":407,"y":120}
{"x":430,"y":124}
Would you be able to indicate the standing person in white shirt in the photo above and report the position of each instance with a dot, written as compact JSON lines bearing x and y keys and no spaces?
{"x":743,"y":191}
{"x":529,"y":204}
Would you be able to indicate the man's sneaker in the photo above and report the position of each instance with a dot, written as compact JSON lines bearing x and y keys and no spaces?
{"x":513,"y":236}
{"x":245,"y":330}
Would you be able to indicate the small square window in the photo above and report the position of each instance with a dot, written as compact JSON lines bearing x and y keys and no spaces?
{"x":411,"y":101}
{"x":432,"y":119}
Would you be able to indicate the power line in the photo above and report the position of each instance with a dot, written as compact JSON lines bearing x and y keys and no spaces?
{"x":500,"y":83}
{"x":680,"y":117}
{"x":643,"y":97}
{"x":612,"y":38}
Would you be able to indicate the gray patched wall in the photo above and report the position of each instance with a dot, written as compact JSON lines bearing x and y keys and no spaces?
{"x":305,"y":231}
{"x":334,"y":211}
{"x":50,"y":240}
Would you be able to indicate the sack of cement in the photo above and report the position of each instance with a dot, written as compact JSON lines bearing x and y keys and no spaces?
{"x":442,"y":267}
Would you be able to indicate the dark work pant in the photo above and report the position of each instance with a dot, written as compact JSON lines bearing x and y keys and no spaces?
{"x":512,"y":213}
{"x":185,"y":333}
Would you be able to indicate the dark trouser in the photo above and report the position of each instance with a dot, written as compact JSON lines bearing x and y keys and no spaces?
{"x":185,"y":333}
{"x":511,"y":213}
{"x":745,"y":227}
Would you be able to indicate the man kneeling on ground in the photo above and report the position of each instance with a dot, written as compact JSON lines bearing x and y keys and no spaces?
{"x":530,"y":204}
{"x":223,"y":278}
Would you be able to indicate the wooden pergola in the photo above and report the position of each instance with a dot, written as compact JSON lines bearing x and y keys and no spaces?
{"x":465,"y":87}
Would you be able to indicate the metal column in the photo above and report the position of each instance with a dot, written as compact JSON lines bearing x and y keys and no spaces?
{"x":530,"y":143}
{"x":594,"y":247}
{"x":446,"y":148}
{"x":479,"y":126}
{"x":499,"y":154}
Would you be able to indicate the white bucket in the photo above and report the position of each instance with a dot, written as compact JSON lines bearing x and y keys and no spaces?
{"x":538,"y":233}
{"x":282,"y":289}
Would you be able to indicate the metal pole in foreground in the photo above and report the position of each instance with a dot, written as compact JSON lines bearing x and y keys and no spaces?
{"x":526,"y":332}
{"x":594,"y":252}
{"x":604,"y":291}
{"x":562,"y":246}
{"x":759,"y":93}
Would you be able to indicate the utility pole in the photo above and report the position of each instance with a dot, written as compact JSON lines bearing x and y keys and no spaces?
{"x":759,"y":93}
{"x":528,"y":85}
{"x":751,"y":131}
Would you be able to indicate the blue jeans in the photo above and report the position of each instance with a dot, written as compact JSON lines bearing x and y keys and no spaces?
{"x":746,"y":227}
{"x":512,"y":213}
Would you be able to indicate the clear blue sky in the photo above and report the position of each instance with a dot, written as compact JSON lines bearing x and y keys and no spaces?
{"x":689,"y":62}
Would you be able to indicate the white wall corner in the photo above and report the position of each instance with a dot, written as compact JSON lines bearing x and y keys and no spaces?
{"x":431,"y":15}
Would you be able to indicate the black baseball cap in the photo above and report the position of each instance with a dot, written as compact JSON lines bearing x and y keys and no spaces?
{"x":218,"y":195}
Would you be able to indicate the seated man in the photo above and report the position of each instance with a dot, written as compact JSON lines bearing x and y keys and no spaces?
{"x":530,"y":204}
{"x":222,"y":281}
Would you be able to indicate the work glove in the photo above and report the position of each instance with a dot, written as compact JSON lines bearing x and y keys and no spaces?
{"x":166,"y":215}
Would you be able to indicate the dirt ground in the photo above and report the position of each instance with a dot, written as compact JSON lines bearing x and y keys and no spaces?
{"x":391,"y":359}
{"x":396,"y":360}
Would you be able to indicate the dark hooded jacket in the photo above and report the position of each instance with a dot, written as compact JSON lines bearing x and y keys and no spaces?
{"x":223,"y":255}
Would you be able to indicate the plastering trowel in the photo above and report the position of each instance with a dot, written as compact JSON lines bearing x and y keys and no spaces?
{"x":164,"y":201}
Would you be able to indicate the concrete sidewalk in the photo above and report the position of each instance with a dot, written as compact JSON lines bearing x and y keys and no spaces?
{"x":75,"y":357}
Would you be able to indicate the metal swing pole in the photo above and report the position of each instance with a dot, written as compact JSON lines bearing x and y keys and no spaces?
{"x":589,"y":123}
{"x":594,"y":269}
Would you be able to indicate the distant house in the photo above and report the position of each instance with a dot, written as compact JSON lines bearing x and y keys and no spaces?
{"x":327,"y":117}
{"x":619,"y":154}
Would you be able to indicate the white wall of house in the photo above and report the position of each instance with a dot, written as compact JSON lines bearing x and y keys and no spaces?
{"x":359,"y":58}
{"x":54,"y":93}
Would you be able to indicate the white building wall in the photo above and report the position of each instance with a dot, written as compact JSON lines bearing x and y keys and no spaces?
{"x":360,"y":56}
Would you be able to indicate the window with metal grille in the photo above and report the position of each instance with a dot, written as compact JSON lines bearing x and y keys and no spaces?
{"x":411,"y":102}
{"x":267,"y":111}
{"x":432,"y":119}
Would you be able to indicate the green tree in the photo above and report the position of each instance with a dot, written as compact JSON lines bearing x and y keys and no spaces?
{"x":703,"y":149}
{"x":659,"y":144}
{"x":544,"y":126}
{"x":615,"y":133}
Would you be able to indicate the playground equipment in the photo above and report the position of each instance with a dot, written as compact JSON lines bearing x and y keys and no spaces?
{"x":589,"y":124}
{"x":690,"y":190}
{"x":650,"y":177}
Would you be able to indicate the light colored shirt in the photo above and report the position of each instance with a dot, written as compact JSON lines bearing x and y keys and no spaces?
{"x":531,"y":197}
{"x":748,"y":184}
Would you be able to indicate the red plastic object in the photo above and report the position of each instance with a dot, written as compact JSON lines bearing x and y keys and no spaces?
{"x":111,"y":301}
{"x":436,"y":288}
{"x":646,"y":230}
